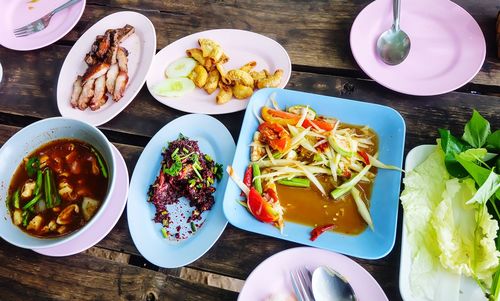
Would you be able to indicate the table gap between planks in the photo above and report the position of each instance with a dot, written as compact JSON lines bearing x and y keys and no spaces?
{"x":316,"y":36}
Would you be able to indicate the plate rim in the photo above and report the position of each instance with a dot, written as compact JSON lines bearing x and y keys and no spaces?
{"x":242,"y":137}
{"x":355,"y":53}
{"x":107,"y":117}
{"x":283,"y":83}
{"x":51,"y":41}
{"x":216,"y":214}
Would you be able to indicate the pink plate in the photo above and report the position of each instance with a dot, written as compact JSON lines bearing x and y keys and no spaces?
{"x":272,"y":276}
{"x":241,"y":46}
{"x":106,"y":222}
{"x":15,"y":14}
{"x":447,"y":46}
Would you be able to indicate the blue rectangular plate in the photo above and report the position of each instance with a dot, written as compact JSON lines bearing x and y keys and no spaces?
{"x":390,"y":127}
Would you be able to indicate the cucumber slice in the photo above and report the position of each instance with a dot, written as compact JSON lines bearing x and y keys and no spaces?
{"x":180,"y":68}
{"x":341,"y":146}
{"x":311,"y":114}
{"x":174,"y":87}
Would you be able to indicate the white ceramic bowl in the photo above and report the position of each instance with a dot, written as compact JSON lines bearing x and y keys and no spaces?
{"x":28,"y":140}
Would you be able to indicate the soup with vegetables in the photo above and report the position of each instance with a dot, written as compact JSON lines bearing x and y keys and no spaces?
{"x":58,"y":188}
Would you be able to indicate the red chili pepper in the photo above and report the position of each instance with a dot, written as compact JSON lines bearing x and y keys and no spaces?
{"x":346,"y":173}
{"x":365,"y":157}
{"x":320,"y":230}
{"x":272,"y":193}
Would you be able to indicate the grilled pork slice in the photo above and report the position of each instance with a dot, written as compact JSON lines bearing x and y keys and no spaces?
{"x":95,"y":71}
{"x":98,"y":50}
{"x":120,"y":85}
{"x":86,"y":95}
{"x":77,"y":90}
{"x":122,"y":59}
{"x":117,"y":36}
{"x":100,"y":97}
{"x":111,"y":78}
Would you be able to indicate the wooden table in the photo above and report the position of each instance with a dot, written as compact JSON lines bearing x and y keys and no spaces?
{"x":316,"y":35}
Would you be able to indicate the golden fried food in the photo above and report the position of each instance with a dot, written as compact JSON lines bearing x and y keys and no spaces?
{"x":212,"y":81}
{"x":248,"y":66}
{"x":196,"y":54}
{"x":271,"y":81}
{"x":211,"y":49}
{"x":199,"y":76}
{"x":225,"y":94}
{"x":241,"y":91}
{"x":237,"y":76}
{"x":210,"y":73}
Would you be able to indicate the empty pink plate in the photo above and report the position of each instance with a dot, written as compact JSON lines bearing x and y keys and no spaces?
{"x":15,"y":14}
{"x":447,"y":46}
{"x":272,"y":276}
{"x":106,"y":222}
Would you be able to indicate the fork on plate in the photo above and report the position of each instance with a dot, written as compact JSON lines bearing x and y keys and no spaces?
{"x":301,"y":282}
{"x":41,"y":23}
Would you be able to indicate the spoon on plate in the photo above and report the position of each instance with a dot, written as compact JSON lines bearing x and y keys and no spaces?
{"x":394,"y":44}
{"x":329,"y":285}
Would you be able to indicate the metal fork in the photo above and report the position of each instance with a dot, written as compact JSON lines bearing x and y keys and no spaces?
{"x":41,"y":23}
{"x":301,"y":281}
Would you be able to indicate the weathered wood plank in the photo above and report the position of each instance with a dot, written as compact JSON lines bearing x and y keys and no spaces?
{"x":28,"y":276}
{"x":319,"y":36}
{"x":31,"y":92}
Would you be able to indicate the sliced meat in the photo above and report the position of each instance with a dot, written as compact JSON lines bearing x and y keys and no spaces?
{"x":122,"y":59}
{"x":86,"y":95}
{"x":117,"y":36}
{"x":77,"y":90}
{"x":101,"y":46}
{"x":100,"y":97}
{"x":120,"y":85}
{"x":111,"y":78}
{"x":95,"y":71}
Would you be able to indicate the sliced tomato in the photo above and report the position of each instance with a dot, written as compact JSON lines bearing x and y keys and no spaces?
{"x":279,"y":117}
{"x":324,"y":125}
{"x":260,"y":208}
{"x":275,"y":136}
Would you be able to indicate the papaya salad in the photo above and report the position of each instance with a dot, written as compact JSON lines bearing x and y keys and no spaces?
{"x":310,"y":169}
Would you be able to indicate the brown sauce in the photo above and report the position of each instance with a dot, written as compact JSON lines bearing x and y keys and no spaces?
{"x":71,"y":161}
{"x":309,"y":207}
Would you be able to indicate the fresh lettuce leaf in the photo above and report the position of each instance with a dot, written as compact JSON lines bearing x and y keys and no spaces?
{"x":477,"y":130}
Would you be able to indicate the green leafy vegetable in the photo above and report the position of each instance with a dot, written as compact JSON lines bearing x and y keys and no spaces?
{"x":32,"y":165}
{"x":452,"y":146}
{"x":176,"y":166}
{"x":493,"y":140}
{"x":476,"y":130}
{"x":218,"y":171}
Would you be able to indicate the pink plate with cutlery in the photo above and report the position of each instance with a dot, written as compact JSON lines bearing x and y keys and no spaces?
{"x":447,"y":46}
{"x":15,"y":14}
{"x":271,"y":278}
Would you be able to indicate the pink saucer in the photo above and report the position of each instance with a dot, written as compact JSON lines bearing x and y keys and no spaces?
{"x":106,"y":222}
{"x":447,"y":46}
{"x":15,"y":14}
{"x":272,"y":276}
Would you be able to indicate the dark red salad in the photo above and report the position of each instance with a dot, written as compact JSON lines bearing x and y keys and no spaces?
{"x":185,"y":172}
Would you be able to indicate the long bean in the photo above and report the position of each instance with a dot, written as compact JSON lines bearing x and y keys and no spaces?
{"x":104,"y":170}
{"x":48,"y":195}
{"x":295,"y":182}
{"x":257,"y":182}
{"x":32,"y":202}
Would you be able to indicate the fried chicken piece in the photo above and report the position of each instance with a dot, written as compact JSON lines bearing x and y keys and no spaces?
{"x":100,"y":97}
{"x":86,"y":95}
{"x":120,"y":85}
{"x":122,"y":59}
{"x":77,"y":90}
{"x":111,"y":77}
{"x":95,"y":71}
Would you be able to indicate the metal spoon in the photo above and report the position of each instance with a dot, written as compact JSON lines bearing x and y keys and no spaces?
{"x":328,"y":285}
{"x":394,"y":44}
